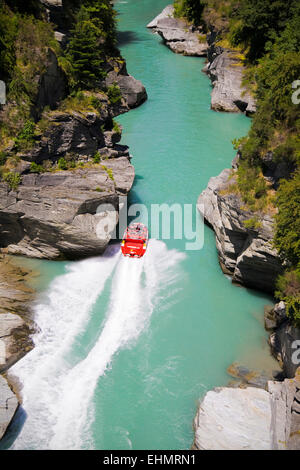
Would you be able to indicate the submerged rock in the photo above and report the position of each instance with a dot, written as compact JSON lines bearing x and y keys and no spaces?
{"x":244,"y":253}
{"x":8,"y":406}
{"x":178,"y":35}
{"x":250,"y":418}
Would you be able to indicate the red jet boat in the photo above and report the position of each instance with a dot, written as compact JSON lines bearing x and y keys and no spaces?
{"x":134,"y":243}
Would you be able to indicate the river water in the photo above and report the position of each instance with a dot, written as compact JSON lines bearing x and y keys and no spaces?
{"x":127,"y":347}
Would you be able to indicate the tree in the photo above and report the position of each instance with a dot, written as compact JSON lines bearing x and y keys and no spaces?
{"x":259,"y":22}
{"x":190,"y":9}
{"x":85,"y":52}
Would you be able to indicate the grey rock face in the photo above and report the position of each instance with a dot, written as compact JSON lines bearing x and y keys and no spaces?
{"x":250,"y":418}
{"x":8,"y":406}
{"x":274,"y":317}
{"x":12,"y":328}
{"x":246,"y":254}
{"x":226,"y":73}
{"x":133,"y":91}
{"x":15,"y":313}
{"x":177,"y":34}
{"x":41,"y":219}
{"x":53,"y":85}
{"x":285,"y":346}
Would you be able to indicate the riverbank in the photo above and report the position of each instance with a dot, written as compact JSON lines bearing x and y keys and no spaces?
{"x":16,"y":328}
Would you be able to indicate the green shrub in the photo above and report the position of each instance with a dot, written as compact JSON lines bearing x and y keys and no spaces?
{"x":35,"y":168}
{"x":3,"y":158}
{"x":114,"y":93}
{"x":252,"y":223}
{"x":287,"y":239}
{"x":62,"y":164}
{"x":12,"y":179}
{"x":288,"y":290}
{"x":116,"y":127}
{"x":97,"y":157}
{"x":25,"y":138}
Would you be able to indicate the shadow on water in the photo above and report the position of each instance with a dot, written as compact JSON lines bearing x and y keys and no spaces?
{"x":127,"y":37}
{"x":14,"y":429}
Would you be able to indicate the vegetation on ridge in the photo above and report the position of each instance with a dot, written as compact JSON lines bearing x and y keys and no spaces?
{"x":267,"y":33}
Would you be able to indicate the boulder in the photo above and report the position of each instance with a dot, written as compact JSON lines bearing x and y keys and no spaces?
{"x":14,"y":339}
{"x":249,"y":418}
{"x":166,"y":13}
{"x":245,"y":253}
{"x":234,"y":419}
{"x":133,"y":91}
{"x":8,"y":406}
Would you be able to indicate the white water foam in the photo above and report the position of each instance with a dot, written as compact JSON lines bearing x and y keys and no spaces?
{"x":58,"y":396}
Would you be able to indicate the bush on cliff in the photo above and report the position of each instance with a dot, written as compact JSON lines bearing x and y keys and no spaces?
{"x":190,"y":9}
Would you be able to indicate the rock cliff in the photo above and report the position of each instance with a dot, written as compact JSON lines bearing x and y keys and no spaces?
{"x":8,"y":406}
{"x":15,"y":328}
{"x":225,"y":69}
{"x":284,"y":338}
{"x":245,"y":253}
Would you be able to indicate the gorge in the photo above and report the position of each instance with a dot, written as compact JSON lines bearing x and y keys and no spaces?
{"x":119,"y":359}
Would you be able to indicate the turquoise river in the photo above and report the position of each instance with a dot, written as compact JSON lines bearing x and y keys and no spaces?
{"x":127,"y":348}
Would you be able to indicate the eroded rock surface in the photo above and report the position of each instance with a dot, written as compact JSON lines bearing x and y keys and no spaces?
{"x":249,"y":418}
{"x":246,"y":254}
{"x":226,"y":72}
{"x":178,"y":35}
{"x":8,"y":406}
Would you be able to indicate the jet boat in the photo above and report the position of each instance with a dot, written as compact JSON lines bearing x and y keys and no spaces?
{"x":135,"y":240}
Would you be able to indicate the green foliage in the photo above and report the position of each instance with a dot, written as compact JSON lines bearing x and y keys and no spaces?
{"x":288,"y":290}
{"x":35,"y":168}
{"x":8,"y":32}
{"x":252,"y":223}
{"x":259,"y":22}
{"x":92,"y":38}
{"x":190,"y":9}
{"x":12,"y":179}
{"x":62,"y":164}
{"x":116,"y":127}
{"x":287,"y":239}
{"x":109,"y":172}
{"x":3,"y":158}
{"x":25,"y":138}
{"x":252,"y":187}
{"x":114,"y":93}
{"x":97,"y":157}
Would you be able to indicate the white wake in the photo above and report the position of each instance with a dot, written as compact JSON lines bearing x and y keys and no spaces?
{"x":57,"y":394}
